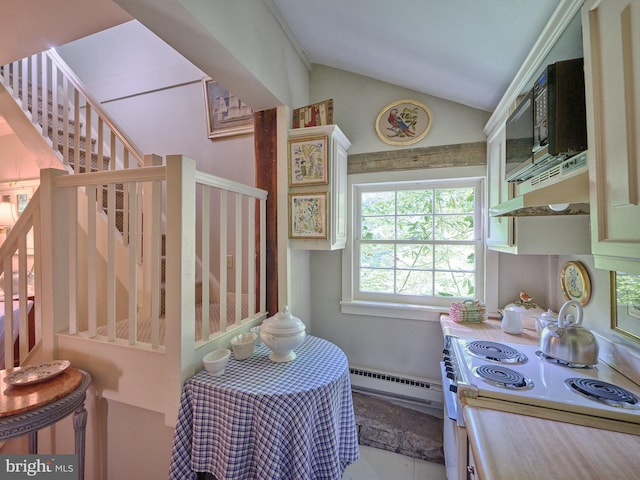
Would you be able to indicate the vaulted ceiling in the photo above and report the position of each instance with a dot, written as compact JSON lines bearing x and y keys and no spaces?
{"x":467,"y":51}
{"x":461,"y":50}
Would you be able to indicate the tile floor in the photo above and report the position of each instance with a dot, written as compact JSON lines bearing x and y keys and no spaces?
{"x":376,"y":464}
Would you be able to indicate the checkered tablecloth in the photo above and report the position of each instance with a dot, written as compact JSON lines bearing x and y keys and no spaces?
{"x":269,"y":421}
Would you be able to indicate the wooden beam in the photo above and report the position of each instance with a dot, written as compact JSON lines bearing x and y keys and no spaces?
{"x":459,"y":155}
{"x":265,"y":123}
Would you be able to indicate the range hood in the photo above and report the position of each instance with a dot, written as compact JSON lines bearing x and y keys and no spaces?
{"x":563,"y":193}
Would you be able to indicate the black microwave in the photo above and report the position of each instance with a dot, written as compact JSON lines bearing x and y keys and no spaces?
{"x":549,"y":125}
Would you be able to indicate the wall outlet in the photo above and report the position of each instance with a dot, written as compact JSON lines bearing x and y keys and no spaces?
{"x":229,"y":261}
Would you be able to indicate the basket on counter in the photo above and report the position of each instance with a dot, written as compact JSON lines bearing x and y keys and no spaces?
{"x":468,"y":311}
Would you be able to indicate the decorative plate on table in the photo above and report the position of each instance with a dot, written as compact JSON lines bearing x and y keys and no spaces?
{"x":37,"y":373}
{"x":575,"y":282}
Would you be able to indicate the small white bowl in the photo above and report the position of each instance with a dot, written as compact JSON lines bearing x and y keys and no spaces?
{"x":243,"y":345}
{"x":216,"y":360}
{"x":256,"y":330}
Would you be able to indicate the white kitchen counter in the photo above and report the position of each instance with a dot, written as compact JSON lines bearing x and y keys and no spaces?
{"x":508,"y":446}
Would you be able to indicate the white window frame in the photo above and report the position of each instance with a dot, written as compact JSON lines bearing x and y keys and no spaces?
{"x":455,"y":176}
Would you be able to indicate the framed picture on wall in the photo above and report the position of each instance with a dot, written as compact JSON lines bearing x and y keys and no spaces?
{"x":314,"y":115}
{"x":625,"y":303}
{"x":308,"y":161}
{"x":308,"y":215}
{"x":22,"y":199}
{"x":227,"y":115}
{"x":403,"y":122}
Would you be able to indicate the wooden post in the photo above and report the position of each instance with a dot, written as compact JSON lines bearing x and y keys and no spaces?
{"x":180,"y":280}
{"x":55,"y":275}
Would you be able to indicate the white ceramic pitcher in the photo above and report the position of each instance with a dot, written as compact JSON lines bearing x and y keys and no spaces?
{"x":511,"y":322}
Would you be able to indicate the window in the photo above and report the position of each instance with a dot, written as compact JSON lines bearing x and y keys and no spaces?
{"x":417,"y":243}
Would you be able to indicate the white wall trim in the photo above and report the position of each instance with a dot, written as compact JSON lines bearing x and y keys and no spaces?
{"x":393,"y":310}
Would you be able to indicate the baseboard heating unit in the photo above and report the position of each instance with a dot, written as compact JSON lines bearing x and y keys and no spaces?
{"x":400,"y":387}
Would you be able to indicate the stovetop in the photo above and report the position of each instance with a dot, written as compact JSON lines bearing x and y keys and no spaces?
{"x":538,"y":383}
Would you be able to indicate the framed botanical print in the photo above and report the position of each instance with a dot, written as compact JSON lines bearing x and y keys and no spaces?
{"x":227,"y":115}
{"x":308,"y":161}
{"x":308,"y":215}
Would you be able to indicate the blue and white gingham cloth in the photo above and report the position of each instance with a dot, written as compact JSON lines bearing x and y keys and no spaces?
{"x":269,"y":421}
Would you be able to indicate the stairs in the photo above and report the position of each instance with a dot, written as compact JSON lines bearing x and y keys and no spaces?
{"x":66,"y":129}
{"x":86,"y":148}
{"x":87,"y":141}
{"x":61,"y":131}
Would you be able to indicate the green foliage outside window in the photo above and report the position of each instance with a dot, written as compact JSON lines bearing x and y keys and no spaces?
{"x":418,"y":242}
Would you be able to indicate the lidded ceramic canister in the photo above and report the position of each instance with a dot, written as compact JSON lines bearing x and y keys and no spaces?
{"x":545,"y":319}
{"x":282,"y":333}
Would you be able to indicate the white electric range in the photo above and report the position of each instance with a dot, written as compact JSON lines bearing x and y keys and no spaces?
{"x":517,"y":378}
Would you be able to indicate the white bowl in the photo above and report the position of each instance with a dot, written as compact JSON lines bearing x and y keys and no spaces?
{"x":243,"y":345}
{"x":256,"y":330}
{"x":215,"y":361}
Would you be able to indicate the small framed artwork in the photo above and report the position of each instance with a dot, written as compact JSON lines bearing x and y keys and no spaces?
{"x":575,"y":282}
{"x":308,"y":161}
{"x":22,"y":199}
{"x":227,"y":115}
{"x":403,"y":122}
{"x":308,"y":215}
{"x":625,"y":304}
{"x":314,"y":115}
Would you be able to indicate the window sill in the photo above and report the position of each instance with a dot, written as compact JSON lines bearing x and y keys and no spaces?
{"x":393,"y":310}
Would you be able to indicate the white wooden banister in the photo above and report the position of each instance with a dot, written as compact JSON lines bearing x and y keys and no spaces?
{"x":201,"y":212}
{"x":47,"y":88}
{"x":19,"y":266}
{"x":95,"y":106}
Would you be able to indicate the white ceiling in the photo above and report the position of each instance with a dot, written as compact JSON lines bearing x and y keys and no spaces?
{"x":467,"y":51}
{"x":32,"y":26}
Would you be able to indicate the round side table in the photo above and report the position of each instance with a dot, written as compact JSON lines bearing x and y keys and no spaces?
{"x":26,"y":409}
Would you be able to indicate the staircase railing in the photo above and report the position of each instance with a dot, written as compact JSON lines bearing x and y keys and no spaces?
{"x":20,"y":268}
{"x":89,"y":309}
{"x":81,"y":135}
{"x":78,"y":130}
{"x":73,"y":121}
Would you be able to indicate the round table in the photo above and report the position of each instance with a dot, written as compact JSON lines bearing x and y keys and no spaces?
{"x":28,"y":408}
{"x":267,"y":420}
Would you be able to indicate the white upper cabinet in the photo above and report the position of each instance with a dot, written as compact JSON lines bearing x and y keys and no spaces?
{"x":536,"y":234}
{"x":499,"y":229}
{"x":317,"y":172}
{"x":611,"y":35}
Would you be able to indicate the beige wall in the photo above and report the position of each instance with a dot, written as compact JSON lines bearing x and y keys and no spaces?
{"x":407,"y":347}
{"x":357,"y":100}
{"x":16,"y":162}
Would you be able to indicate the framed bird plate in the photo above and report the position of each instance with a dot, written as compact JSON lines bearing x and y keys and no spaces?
{"x":403,"y":122}
{"x":575,"y":282}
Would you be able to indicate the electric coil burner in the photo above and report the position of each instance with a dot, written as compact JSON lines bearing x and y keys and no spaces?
{"x":497,"y":352}
{"x":514,"y":378}
{"x":503,"y":377}
{"x":603,"y":392}
{"x":562,"y":363}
